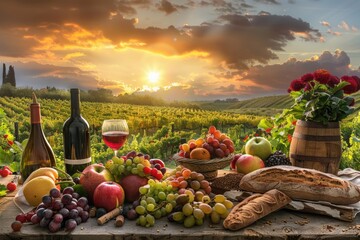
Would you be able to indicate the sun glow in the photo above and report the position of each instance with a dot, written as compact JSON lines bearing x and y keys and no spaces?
{"x":153,"y":77}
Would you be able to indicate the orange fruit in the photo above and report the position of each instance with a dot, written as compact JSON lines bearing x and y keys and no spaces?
{"x":199,"y":142}
{"x":200,"y":153}
{"x":212,"y":129}
{"x":217,"y":134}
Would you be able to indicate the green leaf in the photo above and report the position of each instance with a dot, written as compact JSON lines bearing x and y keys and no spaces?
{"x":265,"y":124}
{"x":340,"y":86}
{"x":3,"y":190}
{"x":14,"y":166}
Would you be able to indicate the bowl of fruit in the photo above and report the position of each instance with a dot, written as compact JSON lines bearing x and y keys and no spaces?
{"x":206,"y":155}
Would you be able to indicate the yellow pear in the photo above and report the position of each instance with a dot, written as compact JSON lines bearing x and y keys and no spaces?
{"x":43,"y":171}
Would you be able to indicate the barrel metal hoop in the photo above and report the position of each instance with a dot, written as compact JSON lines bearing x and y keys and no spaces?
{"x":299,"y":158}
{"x":316,"y":137}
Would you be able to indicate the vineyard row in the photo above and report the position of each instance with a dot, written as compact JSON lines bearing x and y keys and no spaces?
{"x":154,"y":130}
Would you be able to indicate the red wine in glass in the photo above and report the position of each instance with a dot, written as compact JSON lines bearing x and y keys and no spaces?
{"x":114,"y":139}
{"x":114,"y":133}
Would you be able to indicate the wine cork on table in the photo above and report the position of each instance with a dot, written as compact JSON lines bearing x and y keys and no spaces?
{"x":119,"y":221}
{"x":108,"y":216}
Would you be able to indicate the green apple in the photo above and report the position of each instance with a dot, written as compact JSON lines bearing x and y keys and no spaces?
{"x":258,"y":146}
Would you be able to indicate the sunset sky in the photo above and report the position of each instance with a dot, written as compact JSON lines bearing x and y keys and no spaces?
{"x":178,"y":49}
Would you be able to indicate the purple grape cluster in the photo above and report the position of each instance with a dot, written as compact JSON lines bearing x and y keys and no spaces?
{"x":57,"y":211}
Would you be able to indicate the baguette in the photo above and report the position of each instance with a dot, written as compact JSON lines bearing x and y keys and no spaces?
{"x":302,"y":184}
{"x":255,"y":207}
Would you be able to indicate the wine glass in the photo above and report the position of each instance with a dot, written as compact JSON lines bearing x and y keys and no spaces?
{"x":114,"y":133}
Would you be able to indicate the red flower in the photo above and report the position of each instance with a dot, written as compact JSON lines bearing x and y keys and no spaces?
{"x":308,"y":86}
{"x":6,"y":136}
{"x":10,"y":142}
{"x":333,"y":81}
{"x":256,"y":135}
{"x":289,"y":137}
{"x":297,"y":85}
{"x":352,"y":87}
{"x":322,"y":76}
{"x":268,"y":130}
{"x":307,"y":77}
{"x":246,"y":138}
{"x":294,"y":122}
{"x":357,"y":79}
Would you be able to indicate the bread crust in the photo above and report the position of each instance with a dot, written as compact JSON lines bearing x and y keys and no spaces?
{"x":255,"y":207}
{"x":302,"y":184}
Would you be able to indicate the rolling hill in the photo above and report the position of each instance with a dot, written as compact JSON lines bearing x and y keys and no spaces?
{"x":263,"y":106}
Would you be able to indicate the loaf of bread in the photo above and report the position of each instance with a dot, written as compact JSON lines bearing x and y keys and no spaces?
{"x":255,"y":207}
{"x":225,"y":183}
{"x":302,"y":184}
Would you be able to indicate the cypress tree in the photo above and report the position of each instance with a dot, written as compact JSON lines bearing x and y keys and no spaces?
{"x":11,"y":76}
{"x":4,"y":74}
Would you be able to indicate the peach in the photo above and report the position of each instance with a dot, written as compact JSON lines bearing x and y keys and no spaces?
{"x":247,"y":163}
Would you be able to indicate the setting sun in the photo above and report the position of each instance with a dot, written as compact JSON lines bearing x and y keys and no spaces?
{"x":153,"y":77}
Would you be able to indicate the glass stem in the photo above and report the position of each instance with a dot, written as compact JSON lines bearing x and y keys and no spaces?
{"x":115,"y":153}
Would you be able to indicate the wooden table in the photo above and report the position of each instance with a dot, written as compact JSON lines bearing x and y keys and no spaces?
{"x":284,"y":224}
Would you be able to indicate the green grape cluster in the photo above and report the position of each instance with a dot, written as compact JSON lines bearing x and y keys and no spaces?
{"x":157,"y":200}
{"x":121,"y":166}
{"x":193,"y":203}
{"x":191,"y":212}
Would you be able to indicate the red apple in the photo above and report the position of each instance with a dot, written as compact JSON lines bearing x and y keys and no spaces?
{"x":233,"y":161}
{"x":131,"y":185}
{"x":248,"y":163}
{"x":108,"y":195}
{"x":154,"y":161}
{"x":92,"y":176}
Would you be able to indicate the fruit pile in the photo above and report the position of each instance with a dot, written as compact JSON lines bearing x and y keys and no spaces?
{"x":215,"y":145}
{"x":56,"y":211}
{"x":39,"y":183}
{"x":137,"y":164}
{"x":183,"y":197}
{"x":258,"y":154}
{"x":193,"y":201}
{"x":140,"y":184}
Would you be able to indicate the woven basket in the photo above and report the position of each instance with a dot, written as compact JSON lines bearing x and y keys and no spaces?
{"x":207,"y":167}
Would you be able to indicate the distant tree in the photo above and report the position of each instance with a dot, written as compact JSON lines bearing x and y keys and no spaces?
{"x":10,"y":76}
{"x":7,"y":90}
{"x":4,"y":73}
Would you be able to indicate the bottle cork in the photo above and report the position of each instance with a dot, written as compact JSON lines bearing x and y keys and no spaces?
{"x":92,"y":212}
{"x":105,"y":218}
{"x":119,"y":221}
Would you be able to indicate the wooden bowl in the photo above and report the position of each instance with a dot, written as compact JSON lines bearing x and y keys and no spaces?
{"x":206,"y":167}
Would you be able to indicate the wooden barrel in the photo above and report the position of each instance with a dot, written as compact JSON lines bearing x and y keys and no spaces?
{"x":316,"y":146}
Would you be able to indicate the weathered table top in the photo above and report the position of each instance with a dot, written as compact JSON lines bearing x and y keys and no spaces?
{"x":284,"y":224}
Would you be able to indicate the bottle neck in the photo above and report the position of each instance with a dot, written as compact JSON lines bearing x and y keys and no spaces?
{"x":35,"y":116}
{"x":75,"y":104}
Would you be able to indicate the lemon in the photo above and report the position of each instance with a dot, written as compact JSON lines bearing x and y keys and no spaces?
{"x":36,"y":188}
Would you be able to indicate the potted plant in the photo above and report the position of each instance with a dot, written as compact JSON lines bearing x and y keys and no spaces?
{"x":321,"y":101}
